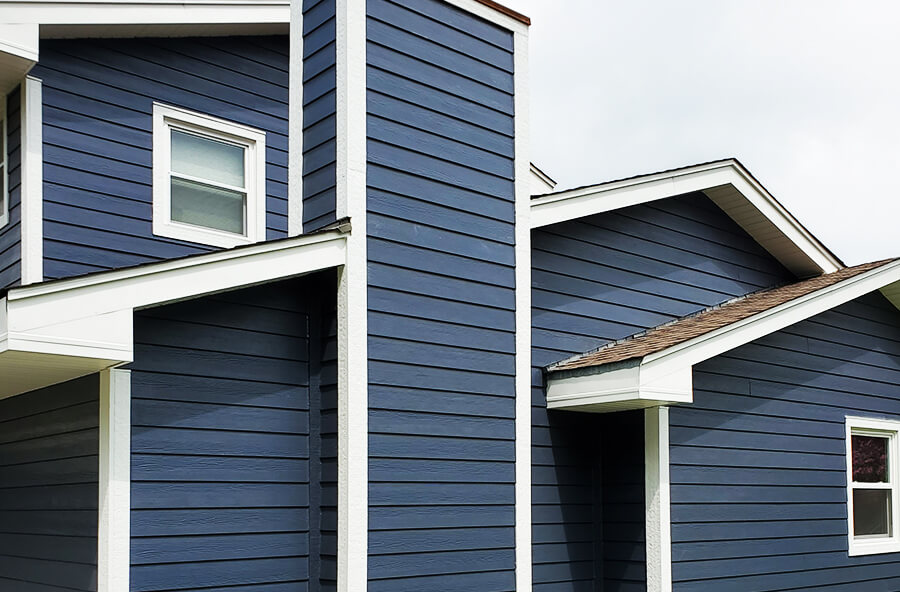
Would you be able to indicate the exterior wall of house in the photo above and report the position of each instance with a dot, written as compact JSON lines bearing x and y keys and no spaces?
{"x":596,"y":280}
{"x":228,"y":478}
{"x":11,"y":234}
{"x":319,"y":112}
{"x":97,"y":125}
{"x":48,"y":488}
{"x":758,"y":461}
{"x":441,"y":299}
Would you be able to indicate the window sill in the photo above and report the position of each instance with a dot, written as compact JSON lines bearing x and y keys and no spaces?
{"x":874,"y":547}
{"x":200,"y":235}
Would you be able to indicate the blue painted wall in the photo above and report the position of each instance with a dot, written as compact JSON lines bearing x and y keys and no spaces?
{"x":11,"y":234}
{"x":441,"y":300}
{"x":48,"y":488}
{"x":758,"y":461}
{"x":319,"y":107}
{"x":98,"y":101}
{"x":596,"y":280}
{"x":223,"y":450}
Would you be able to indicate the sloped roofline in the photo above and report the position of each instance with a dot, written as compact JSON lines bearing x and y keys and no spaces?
{"x":664,"y":376}
{"x":727,"y":183}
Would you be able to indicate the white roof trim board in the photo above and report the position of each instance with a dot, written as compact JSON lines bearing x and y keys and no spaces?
{"x":666,"y":377}
{"x":60,"y":330}
{"x":727,"y":183}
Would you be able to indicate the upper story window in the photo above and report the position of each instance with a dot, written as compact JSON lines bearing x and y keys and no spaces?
{"x":873,"y":486}
{"x":208,"y":179}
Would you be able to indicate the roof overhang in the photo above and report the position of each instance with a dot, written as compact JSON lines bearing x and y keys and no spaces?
{"x":727,"y":183}
{"x":18,"y":53}
{"x":666,"y":377}
{"x":64,"y":329}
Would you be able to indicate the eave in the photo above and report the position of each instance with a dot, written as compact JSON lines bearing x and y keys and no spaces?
{"x":727,"y":183}
{"x":60,"y":330}
{"x":665,"y":377}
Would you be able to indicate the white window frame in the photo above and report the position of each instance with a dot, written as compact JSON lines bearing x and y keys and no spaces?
{"x":885,"y":429}
{"x":165,"y":119}
{"x":4,"y":163}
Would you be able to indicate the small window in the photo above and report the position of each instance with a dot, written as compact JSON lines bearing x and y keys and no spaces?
{"x":872,"y":491}
{"x":208,"y":179}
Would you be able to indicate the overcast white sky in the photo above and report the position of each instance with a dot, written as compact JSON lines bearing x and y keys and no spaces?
{"x":806,"y":93}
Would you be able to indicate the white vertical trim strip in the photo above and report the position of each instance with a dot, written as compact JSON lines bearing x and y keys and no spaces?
{"x":32,"y":189}
{"x":114,"y":526}
{"x":295,"y":121}
{"x":658,"y":499}
{"x":523,"y":315}
{"x":4,"y":162}
{"x":353,"y":378}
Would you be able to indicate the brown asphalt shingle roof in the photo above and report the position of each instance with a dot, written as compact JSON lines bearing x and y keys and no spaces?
{"x":684,"y":329}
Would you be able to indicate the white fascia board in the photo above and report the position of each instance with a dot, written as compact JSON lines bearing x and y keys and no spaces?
{"x":148,"y":12}
{"x":20,"y":41}
{"x":91,"y":316}
{"x":578,"y":203}
{"x":617,"y":389}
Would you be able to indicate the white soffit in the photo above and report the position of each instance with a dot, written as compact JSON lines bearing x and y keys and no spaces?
{"x":727,"y":183}
{"x":64,"y":329}
{"x":665,"y":377}
{"x":18,"y":53}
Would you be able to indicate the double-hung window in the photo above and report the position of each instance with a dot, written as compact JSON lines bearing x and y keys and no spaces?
{"x":208,"y":179}
{"x":873,"y":486}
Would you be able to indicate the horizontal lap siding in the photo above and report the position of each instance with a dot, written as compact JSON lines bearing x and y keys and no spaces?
{"x":221,"y":446}
{"x":599,"y":279}
{"x":758,"y":461}
{"x":48,"y":488}
{"x":319,"y":114}
{"x":441,"y":300}
{"x":98,"y":104}
{"x":11,"y":234}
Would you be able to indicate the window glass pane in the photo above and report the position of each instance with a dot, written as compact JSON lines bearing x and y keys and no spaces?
{"x":872,"y":512}
{"x":202,"y":205}
{"x":207,"y":159}
{"x":870,"y":459}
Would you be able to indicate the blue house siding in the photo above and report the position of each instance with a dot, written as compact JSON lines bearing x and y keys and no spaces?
{"x":758,"y":461}
{"x":441,"y":300}
{"x":221,"y":441}
{"x":98,"y":102}
{"x":48,"y":488}
{"x":11,"y":234}
{"x":319,"y":109}
{"x":595,"y":280}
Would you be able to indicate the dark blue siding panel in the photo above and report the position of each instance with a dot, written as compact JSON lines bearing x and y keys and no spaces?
{"x":758,"y":461}
{"x":229,"y":425}
{"x":441,"y":300}
{"x":48,"y":488}
{"x":98,"y":100}
{"x":11,"y":234}
{"x":319,"y":112}
{"x":595,"y":280}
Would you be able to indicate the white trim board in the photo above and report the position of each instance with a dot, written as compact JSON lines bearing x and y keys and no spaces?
{"x":295,"y":121}
{"x":727,"y":183}
{"x":523,"y":313}
{"x":114,"y":480}
{"x":32,"y":184}
{"x":658,"y":500}
{"x":145,"y":12}
{"x":353,"y":377}
{"x":666,"y":376}
{"x":84,"y":324}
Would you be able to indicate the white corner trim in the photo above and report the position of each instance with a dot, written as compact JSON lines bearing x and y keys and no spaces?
{"x":885,"y":428}
{"x":523,"y":313}
{"x":658,"y":500}
{"x":114,"y":509}
{"x":167,"y":118}
{"x":295,"y":122}
{"x":353,"y":379}
{"x":4,"y":163}
{"x":766,"y":220}
{"x":32,"y":184}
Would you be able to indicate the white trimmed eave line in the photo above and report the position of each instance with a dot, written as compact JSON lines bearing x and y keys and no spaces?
{"x":692,"y":352}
